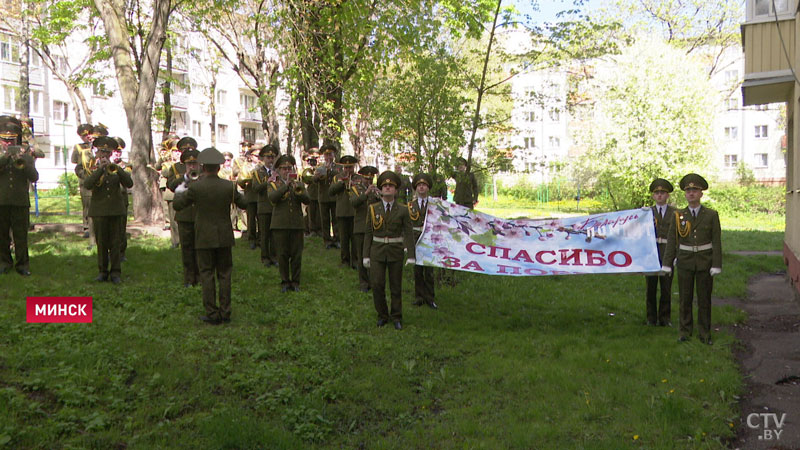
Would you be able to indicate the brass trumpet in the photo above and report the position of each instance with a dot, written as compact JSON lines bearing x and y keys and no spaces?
{"x":14,"y":152}
{"x":194,"y":175}
{"x":112,"y":168}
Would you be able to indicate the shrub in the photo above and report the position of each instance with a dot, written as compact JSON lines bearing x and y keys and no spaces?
{"x":734,"y":200}
{"x":74,"y":183}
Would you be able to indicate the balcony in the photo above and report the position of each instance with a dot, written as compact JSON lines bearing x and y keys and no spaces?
{"x":249,"y":116}
{"x":769,"y":42}
{"x":179,"y":101}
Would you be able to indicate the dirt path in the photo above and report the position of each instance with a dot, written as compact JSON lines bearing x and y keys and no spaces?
{"x":769,"y":358}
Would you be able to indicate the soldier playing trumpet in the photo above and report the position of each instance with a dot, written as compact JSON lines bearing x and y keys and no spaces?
{"x":262,"y":176}
{"x":17,"y":171}
{"x":287,"y":194}
{"x":189,"y":172}
{"x":344,"y":210}
{"x":362,"y":193}
{"x":323,"y":176}
{"x":107,"y":208}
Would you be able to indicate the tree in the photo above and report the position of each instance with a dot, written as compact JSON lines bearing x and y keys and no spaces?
{"x":136,"y":36}
{"x":244,"y":34}
{"x":654,"y":108}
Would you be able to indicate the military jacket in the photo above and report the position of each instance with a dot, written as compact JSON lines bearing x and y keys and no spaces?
{"x":81,"y":152}
{"x":108,"y":192}
{"x":261,"y":187}
{"x":360,"y":202}
{"x":287,"y":211}
{"x":466,"y":189}
{"x":169,"y":170}
{"x":394,"y":225}
{"x":339,"y":190}
{"x":662,"y":225}
{"x":694,"y":232}
{"x":14,"y":181}
{"x":245,"y":180}
{"x":186,"y":214}
{"x":417,"y":216}
{"x":324,"y":183}
{"x":212,"y":198}
{"x":311,"y":185}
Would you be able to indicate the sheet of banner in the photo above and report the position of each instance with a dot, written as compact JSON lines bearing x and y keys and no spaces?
{"x":461,"y":239}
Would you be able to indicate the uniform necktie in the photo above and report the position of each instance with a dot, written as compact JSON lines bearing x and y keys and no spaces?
{"x":694,"y":213}
{"x":424,"y":205}
{"x":661,"y":212}
{"x":388,"y":208}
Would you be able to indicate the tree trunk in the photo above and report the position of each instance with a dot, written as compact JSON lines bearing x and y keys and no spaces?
{"x":137,"y":91}
{"x":24,"y":72}
{"x":476,"y":119}
{"x":308,"y":131}
{"x":290,"y":124}
{"x":212,"y":110}
{"x":166,"y":90}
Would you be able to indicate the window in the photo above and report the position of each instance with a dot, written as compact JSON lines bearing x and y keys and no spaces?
{"x":530,"y":142}
{"x":731,"y":76}
{"x":10,"y":98}
{"x":197,"y":129}
{"x":36,"y":102}
{"x":731,"y":161}
{"x":761,"y":107}
{"x":97,"y":88}
{"x":731,"y":133}
{"x":248,"y":102}
{"x":765,"y":7}
{"x":249,"y":134}
{"x":178,"y":122}
{"x":60,"y":111}
{"x":222,"y":133}
{"x":555,"y":142}
{"x":555,"y":115}
{"x":733,"y":103}
{"x":221,"y":96}
{"x":34,"y":60}
{"x":761,"y":160}
{"x":761,"y":131}
{"x":60,"y":64}
{"x":530,"y":116}
{"x":9,"y":49}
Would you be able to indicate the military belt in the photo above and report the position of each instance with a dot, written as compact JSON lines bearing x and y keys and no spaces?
{"x":695,"y":248}
{"x":661,"y":241}
{"x":388,"y":240}
{"x":418,"y":229}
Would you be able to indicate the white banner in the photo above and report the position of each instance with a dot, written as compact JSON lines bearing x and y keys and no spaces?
{"x":458,"y":238}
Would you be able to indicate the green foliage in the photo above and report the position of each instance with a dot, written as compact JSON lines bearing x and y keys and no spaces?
{"x":558,"y":189}
{"x":67,"y":182}
{"x":744,"y":174}
{"x":734,"y":200}
{"x":655,"y":122}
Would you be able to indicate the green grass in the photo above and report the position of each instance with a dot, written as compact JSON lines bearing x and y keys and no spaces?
{"x":539,"y":362}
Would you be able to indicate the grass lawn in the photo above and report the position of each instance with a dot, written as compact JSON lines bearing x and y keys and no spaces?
{"x":538,"y":362}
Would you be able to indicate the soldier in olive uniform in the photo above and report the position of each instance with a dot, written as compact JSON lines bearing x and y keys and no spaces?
{"x":466,"y":193}
{"x":417,"y":210}
{"x":188,"y":172}
{"x":388,"y":232}
{"x":244,"y":179}
{"x":169,"y":169}
{"x":82,"y":156}
{"x":663,"y":216}
{"x":362,"y":194}
{"x":313,"y":225}
{"x":17,"y":171}
{"x":226,"y":173}
{"x":212,"y":198}
{"x":323,"y":176}
{"x":261,"y":179}
{"x":107,"y":208}
{"x":695,"y":239}
{"x":287,"y":195}
{"x":344,"y":210}
{"x":116,"y":158}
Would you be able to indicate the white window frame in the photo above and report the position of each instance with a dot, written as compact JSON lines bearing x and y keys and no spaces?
{"x":732,"y":133}
{"x":731,"y":161}
{"x":761,"y":132}
{"x":222,"y":132}
{"x":761,"y":160}
{"x":9,"y":49}
{"x":62,"y":109}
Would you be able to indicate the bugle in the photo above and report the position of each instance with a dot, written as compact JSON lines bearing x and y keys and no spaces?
{"x":194,"y":175}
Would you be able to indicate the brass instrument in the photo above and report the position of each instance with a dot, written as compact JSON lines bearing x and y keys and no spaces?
{"x":112,"y":168}
{"x":14,"y":152}
{"x":194,"y":175}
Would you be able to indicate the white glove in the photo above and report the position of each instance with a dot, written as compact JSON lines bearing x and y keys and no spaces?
{"x":714,"y":271}
{"x":365,"y":263}
{"x":181,"y":188}
{"x":665,"y":271}
{"x":411,"y":261}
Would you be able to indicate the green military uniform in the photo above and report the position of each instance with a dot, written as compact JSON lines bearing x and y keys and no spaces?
{"x":466,"y":192}
{"x":168,"y":170}
{"x":424,"y":291}
{"x":312,"y":225}
{"x":212,"y":198}
{"x":107,"y":210}
{"x":388,"y":233}
{"x":260,"y":183}
{"x":287,"y":224}
{"x":123,"y":229}
{"x":694,"y":239}
{"x":339,"y":190}
{"x":246,"y":171}
{"x":327,"y":205}
{"x":185,"y":219}
{"x":360,"y":199}
{"x":663,"y":217}
{"x":17,"y":171}
{"x":82,"y":157}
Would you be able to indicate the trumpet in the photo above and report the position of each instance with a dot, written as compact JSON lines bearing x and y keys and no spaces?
{"x":14,"y":152}
{"x":112,"y":168}
{"x":194,"y":175}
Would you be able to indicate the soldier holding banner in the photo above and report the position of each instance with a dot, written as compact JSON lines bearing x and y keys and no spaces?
{"x":663,"y":217}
